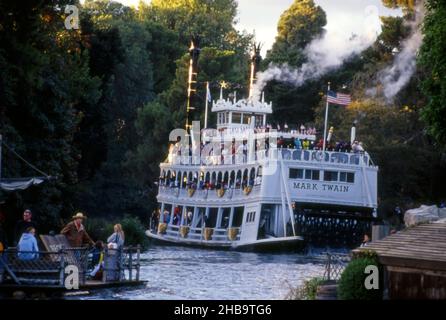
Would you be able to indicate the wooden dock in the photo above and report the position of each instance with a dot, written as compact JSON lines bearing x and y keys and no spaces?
{"x":414,"y":262}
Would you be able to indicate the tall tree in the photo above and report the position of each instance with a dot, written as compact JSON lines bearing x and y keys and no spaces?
{"x":433,"y":60}
{"x":45,"y":81}
{"x":297,"y":27}
{"x":214,"y":20}
{"x":303,"y":22}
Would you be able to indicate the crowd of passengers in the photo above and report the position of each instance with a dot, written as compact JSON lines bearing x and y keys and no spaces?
{"x":305,"y":144}
{"x":293,"y":143}
{"x":302,"y":130}
{"x":209,"y":185}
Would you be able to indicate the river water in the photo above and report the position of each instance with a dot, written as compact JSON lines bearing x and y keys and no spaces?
{"x":195,"y":274}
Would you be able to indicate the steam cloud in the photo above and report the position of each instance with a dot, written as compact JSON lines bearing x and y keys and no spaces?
{"x":324,"y":54}
{"x":396,"y":77}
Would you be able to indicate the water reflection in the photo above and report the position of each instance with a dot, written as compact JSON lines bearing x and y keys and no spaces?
{"x":191,"y":274}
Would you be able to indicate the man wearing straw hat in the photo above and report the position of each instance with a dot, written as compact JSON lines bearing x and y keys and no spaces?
{"x":75,"y":232}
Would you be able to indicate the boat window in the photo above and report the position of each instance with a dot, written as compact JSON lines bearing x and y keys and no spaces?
{"x":236,"y":117}
{"x":351,"y":177}
{"x":296,"y":173}
{"x":347,"y":177}
{"x":259,"y":120}
{"x":246,"y":118}
{"x":311,"y":174}
{"x":330,"y":176}
{"x":238,"y":217}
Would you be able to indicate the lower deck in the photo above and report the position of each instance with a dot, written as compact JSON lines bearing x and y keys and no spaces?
{"x":256,"y":223}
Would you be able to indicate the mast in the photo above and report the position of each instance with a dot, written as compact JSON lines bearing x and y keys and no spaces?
{"x":191,"y":109}
{"x":256,"y":58}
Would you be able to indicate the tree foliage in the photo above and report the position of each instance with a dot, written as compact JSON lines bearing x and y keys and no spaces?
{"x":95,"y":106}
{"x":433,"y":60}
{"x":301,"y":23}
{"x":298,"y":26}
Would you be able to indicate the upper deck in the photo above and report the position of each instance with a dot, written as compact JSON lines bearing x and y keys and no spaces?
{"x":312,"y":157}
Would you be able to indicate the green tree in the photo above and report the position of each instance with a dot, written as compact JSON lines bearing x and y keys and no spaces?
{"x":433,"y":60}
{"x":214,"y":20}
{"x":45,"y":81}
{"x":298,"y":26}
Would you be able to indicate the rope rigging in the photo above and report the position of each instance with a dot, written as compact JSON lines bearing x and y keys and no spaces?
{"x":26,"y":162}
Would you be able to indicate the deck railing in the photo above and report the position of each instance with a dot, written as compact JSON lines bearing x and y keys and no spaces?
{"x":207,"y":194}
{"x":318,"y":156}
{"x":45,"y":268}
{"x":223,"y":235}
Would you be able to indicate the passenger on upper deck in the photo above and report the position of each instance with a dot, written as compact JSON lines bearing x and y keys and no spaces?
{"x":306,"y":144}
{"x":357,"y":147}
{"x":280,"y":143}
{"x":297,"y":143}
{"x":176,"y":150}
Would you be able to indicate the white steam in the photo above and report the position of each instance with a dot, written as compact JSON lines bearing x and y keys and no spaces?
{"x":397,"y":76}
{"x":325,"y":54}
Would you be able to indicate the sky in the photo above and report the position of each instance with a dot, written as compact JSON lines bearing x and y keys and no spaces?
{"x":344,"y":16}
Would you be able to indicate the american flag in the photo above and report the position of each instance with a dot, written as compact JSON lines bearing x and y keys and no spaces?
{"x":339,"y":98}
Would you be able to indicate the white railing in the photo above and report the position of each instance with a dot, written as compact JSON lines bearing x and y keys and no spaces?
{"x":198,"y":234}
{"x":207,"y":194}
{"x":317,"y":156}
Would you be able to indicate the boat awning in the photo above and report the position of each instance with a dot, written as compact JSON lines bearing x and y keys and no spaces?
{"x":20,"y":184}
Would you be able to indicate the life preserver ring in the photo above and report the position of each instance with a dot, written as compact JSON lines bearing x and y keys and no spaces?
{"x":319,"y":156}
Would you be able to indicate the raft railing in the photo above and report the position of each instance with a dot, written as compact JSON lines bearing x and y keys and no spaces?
{"x":47,"y":268}
{"x":335,"y":264}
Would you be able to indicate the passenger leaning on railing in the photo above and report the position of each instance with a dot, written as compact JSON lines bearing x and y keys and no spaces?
{"x":27,"y":247}
{"x":116,"y":240}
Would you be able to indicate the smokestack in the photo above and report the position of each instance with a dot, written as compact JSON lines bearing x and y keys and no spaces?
{"x":353,"y":134}
{"x":256,"y":58}
{"x":191,"y":109}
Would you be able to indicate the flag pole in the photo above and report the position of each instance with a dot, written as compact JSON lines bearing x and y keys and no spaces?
{"x":326,"y":120}
{"x":207,"y":105}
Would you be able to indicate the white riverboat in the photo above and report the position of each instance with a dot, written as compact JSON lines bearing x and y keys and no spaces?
{"x":240,"y":186}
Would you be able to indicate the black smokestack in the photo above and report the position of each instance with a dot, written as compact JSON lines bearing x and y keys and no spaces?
{"x":192,"y":105}
{"x":256,"y":58}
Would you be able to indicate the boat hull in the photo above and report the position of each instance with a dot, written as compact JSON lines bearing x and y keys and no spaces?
{"x":264,"y":245}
